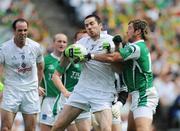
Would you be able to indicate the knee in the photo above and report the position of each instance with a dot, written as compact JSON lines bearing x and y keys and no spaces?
{"x":105,"y":128}
{"x":58,"y":127}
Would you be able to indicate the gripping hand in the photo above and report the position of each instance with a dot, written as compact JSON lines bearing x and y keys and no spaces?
{"x":106,"y":46}
{"x":79,"y":58}
{"x":72,"y":51}
{"x":117,"y":40}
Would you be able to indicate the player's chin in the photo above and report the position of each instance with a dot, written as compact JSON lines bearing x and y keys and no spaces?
{"x":61,"y":49}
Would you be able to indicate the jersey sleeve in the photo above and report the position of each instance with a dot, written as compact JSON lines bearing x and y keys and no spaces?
{"x":1,"y":56}
{"x":130,"y":52}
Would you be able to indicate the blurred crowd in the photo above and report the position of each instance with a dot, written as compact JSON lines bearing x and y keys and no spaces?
{"x":12,"y":9}
{"x":163,"y":17}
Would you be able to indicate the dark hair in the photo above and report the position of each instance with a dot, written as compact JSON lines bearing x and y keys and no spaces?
{"x":97,"y":18}
{"x":82,"y":31}
{"x":140,"y":25}
{"x":19,"y":20}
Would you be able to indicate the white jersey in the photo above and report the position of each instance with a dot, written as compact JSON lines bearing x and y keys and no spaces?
{"x":96,"y":75}
{"x":20,"y":64}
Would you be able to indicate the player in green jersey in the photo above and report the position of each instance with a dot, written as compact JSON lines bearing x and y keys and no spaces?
{"x":51,"y":61}
{"x":70,"y":73}
{"x":137,"y":74}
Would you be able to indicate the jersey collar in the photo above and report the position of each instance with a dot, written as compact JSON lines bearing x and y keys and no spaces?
{"x":138,"y":41}
{"x":56,"y":57}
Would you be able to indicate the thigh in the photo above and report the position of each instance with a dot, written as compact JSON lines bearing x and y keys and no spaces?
{"x":143,"y":124}
{"x":7,"y":119}
{"x":83,"y":121}
{"x":95,"y":124}
{"x":30,"y":121}
{"x":83,"y":124}
{"x":44,"y":127}
{"x":131,"y":122}
{"x":116,"y":123}
{"x":104,"y":119}
{"x":116,"y":127}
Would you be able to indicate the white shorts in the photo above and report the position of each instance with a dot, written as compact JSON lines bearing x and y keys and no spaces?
{"x":89,"y":98}
{"x":144,"y":103}
{"x":83,"y":115}
{"x":26,"y":102}
{"x":46,"y":116}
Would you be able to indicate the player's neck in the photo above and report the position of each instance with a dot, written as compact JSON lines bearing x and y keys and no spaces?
{"x":57,"y":53}
{"x":95,"y":37}
{"x":18,"y":43}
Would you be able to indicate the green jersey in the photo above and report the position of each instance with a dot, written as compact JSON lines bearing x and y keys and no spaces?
{"x":138,"y":72}
{"x":51,"y":62}
{"x":71,"y":75}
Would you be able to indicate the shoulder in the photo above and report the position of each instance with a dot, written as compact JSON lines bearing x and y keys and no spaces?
{"x":106,"y":36}
{"x":33,"y":43}
{"x":84,"y":39}
{"x":6,"y":45}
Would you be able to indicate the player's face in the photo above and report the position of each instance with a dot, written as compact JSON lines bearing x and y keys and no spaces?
{"x":131,"y":33}
{"x":93,"y":28}
{"x":60,"y":42}
{"x":21,"y":31}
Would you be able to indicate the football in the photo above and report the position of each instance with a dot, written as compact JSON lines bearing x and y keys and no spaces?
{"x":82,"y":48}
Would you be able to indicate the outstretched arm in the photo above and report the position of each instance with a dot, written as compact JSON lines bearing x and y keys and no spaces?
{"x":58,"y":83}
{"x":109,"y":58}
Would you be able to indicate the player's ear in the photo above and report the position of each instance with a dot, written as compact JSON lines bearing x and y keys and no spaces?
{"x":101,"y":26}
{"x":138,"y":32}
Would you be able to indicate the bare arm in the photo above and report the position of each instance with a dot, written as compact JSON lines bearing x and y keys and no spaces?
{"x":40,"y":68}
{"x":58,"y":83}
{"x":109,"y":58}
{"x":1,"y":71}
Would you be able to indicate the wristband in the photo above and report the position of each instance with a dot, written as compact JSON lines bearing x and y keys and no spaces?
{"x":92,"y":56}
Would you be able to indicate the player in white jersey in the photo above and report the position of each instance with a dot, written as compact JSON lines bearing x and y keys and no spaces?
{"x":23,"y":64}
{"x":95,"y":88}
{"x":137,"y":74}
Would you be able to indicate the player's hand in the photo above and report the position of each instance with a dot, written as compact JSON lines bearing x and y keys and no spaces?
{"x":116,"y":109}
{"x":72,"y":51}
{"x":67,"y":94}
{"x":106,"y":46}
{"x":79,"y":58}
{"x":117,"y":39}
{"x":41,"y":91}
